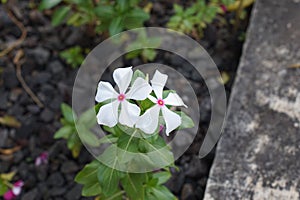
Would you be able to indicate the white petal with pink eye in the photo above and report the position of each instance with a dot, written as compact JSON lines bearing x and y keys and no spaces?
{"x":108,"y":114}
{"x":172,"y":120}
{"x":129,"y":113}
{"x":158,"y":83}
{"x":148,"y":122}
{"x":122,"y":77}
{"x":105,"y":91}
{"x":153,"y":99}
{"x":139,"y":90}
{"x":174,"y":100}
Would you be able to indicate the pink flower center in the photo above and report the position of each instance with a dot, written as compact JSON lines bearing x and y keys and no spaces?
{"x":121,"y":97}
{"x":160,"y":102}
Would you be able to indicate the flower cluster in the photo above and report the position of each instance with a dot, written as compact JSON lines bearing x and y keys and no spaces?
{"x":120,"y":107}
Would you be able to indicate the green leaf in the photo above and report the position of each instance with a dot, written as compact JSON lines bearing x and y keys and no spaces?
{"x":87,"y":136}
{"x":178,"y":8}
{"x":145,"y":104}
{"x":137,"y":73}
{"x":104,"y":12}
{"x":108,"y":139}
{"x":128,"y":143}
{"x":88,"y":118}
{"x":161,"y":192}
{"x":59,"y":15}
{"x":109,"y":180}
{"x":122,"y":4}
{"x":133,"y":185}
{"x":64,"y":132}
{"x":135,"y":18}
{"x":3,"y":188}
{"x":116,"y":131}
{"x":115,"y":26}
{"x":88,"y":177}
{"x":74,"y":144}
{"x":149,"y":54}
{"x":88,"y":173}
{"x":162,"y":177}
{"x":186,"y":121}
{"x":68,"y":113}
{"x":91,"y":189}
{"x":47,"y":4}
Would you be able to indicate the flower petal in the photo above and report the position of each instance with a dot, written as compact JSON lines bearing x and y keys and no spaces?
{"x":129,"y":113}
{"x":17,"y":190}
{"x":108,"y":114}
{"x":172,"y":120}
{"x":148,"y":122}
{"x":122,"y":77}
{"x":174,"y":99}
{"x":152,"y":98}
{"x":139,"y":90}
{"x":158,"y":83}
{"x":105,"y":91}
{"x":9,"y":195}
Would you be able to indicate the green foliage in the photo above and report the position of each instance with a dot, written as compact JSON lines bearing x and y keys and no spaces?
{"x":3,"y":187}
{"x":69,"y":131}
{"x":193,"y":19}
{"x":104,"y":15}
{"x":47,"y":4}
{"x":142,"y":41}
{"x":107,"y":183}
{"x":5,"y":182}
{"x":73,"y":56}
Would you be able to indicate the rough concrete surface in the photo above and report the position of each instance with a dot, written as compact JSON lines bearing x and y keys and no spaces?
{"x":258,"y":156}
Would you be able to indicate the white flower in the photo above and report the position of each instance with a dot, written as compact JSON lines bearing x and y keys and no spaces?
{"x":129,"y":114}
{"x":148,"y":122}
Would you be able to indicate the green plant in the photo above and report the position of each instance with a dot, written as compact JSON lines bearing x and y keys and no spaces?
{"x":74,"y":56}
{"x":69,"y":131}
{"x":108,"y":181}
{"x":143,"y":41}
{"x":112,"y":16}
{"x":193,"y":19}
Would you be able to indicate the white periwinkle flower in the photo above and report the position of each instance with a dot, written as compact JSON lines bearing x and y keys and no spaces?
{"x":108,"y":114}
{"x":148,"y":122}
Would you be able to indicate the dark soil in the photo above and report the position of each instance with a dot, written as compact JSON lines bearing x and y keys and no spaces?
{"x":52,"y":80}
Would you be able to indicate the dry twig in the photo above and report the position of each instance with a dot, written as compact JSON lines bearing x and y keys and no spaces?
{"x":18,"y":62}
{"x":20,"y":40}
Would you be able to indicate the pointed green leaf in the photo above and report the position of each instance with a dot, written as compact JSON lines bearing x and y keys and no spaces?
{"x":68,"y":113}
{"x":133,"y":185}
{"x":64,"y":132}
{"x":60,"y":15}
{"x":47,"y":4}
{"x":115,"y":26}
{"x":109,"y":180}
{"x":186,"y":121}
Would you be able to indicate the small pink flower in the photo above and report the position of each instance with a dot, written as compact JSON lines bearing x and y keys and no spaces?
{"x":223,"y":7}
{"x":42,"y":159}
{"x":15,"y":191}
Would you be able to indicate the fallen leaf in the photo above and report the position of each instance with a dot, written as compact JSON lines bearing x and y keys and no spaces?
{"x":8,"y":176}
{"x":297,"y":65}
{"x":10,"y":121}
{"x":224,"y":78}
{"x":10,"y":150}
{"x":235,"y":6}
